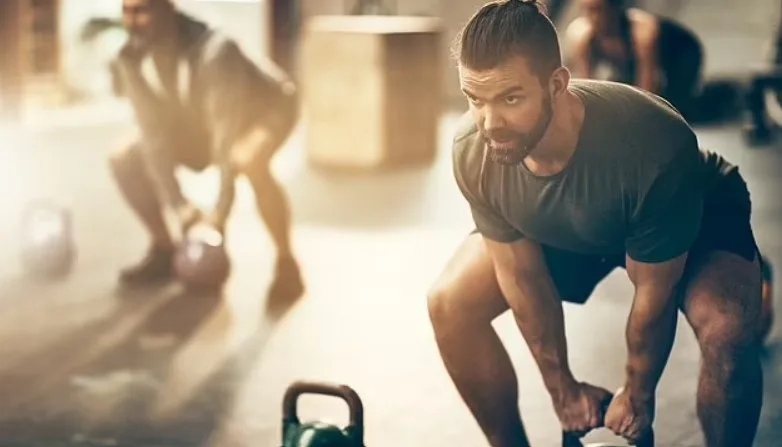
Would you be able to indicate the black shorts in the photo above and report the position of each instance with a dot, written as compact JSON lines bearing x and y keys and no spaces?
{"x":725,"y":226}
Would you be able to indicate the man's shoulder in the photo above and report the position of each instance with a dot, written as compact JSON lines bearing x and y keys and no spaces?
{"x":216,"y":48}
{"x":468,"y":154}
{"x":640,"y":124}
{"x":467,"y":147}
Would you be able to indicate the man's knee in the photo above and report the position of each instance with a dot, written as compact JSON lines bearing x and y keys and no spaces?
{"x":442,"y":302}
{"x":254,"y":151}
{"x":723,"y":305}
{"x":126,"y":161}
{"x":466,"y":293}
{"x":130,"y":172}
{"x":728,"y":336}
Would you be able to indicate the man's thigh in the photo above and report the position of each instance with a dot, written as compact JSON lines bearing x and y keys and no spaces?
{"x":127,"y":157}
{"x":264,"y":136}
{"x":723,"y":277}
{"x":722,"y":297}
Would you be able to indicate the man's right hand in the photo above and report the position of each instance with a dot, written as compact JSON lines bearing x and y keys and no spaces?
{"x":581,"y":408}
{"x":188,"y":215}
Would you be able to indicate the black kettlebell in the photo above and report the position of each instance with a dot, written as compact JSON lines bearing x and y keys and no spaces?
{"x":47,"y":247}
{"x":320,"y":434}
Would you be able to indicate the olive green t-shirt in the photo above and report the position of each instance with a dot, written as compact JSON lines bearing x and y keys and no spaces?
{"x":635,"y":184}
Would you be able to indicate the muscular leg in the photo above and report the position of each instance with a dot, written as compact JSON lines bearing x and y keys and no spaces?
{"x":462,"y":304}
{"x":273,"y":208}
{"x":136,"y":187}
{"x":138,"y":190}
{"x":722,"y":304}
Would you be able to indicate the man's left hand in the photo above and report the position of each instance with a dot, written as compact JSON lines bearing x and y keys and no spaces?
{"x":630,"y":416}
{"x":216,"y":221}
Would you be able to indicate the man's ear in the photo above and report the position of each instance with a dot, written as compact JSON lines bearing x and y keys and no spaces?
{"x":559,"y":81}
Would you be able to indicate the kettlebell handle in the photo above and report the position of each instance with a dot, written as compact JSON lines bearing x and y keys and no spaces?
{"x":571,"y":440}
{"x":344,"y":392}
{"x":37,"y":205}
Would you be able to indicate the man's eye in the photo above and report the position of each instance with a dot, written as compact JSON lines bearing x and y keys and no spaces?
{"x":512,"y":100}
{"x":474,"y":101}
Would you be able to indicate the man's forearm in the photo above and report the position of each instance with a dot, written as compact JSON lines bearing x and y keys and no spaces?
{"x":227,"y":193}
{"x":161,"y":170}
{"x":649,"y":79}
{"x":538,"y":312}
{"x":651,"y":328}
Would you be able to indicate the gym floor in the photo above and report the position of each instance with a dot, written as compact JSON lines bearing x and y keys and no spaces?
{"x":85,"y":363}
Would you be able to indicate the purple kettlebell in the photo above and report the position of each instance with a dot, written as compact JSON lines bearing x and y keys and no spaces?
{"x":201,"y":261}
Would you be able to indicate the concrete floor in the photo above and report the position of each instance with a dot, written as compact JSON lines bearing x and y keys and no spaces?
{"x":84,"y":364}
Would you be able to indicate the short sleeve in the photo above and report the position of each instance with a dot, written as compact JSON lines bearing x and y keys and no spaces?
{"x":667,"y":217}
{"x":488,"y":222}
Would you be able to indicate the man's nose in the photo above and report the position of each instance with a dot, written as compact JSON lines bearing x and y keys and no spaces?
{"x":493,"y":120}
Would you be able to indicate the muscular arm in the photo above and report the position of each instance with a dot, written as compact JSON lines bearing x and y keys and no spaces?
{"x":664,"y":226}
{"x":521,"y":271}
{"x":536,"y":305}
{"x":646,"y":40}
{"x":578,"y":37}
{"x":651,"y":325}
{"x":229,"y":87}
{"x":156,"y":150}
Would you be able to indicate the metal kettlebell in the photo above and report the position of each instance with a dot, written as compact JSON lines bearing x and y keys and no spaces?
{"x":320,"y":434}
{"x":569,"y":440}
{"x":47,"y":244}
{"x":201,"y":260}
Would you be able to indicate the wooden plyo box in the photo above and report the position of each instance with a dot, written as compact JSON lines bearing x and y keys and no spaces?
{"x":371,"y":90}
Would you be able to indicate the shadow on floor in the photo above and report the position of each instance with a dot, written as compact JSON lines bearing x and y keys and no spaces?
{"x":135,"y":377}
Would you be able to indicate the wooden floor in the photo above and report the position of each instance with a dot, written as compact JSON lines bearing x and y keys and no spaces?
{"x":85,"y":364}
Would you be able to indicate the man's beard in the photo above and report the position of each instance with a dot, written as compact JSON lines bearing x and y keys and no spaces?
{"x":524,"y":143}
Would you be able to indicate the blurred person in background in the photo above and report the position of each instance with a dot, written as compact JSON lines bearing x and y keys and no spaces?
{"x":199,"y":102}
{"x":611,"y":41}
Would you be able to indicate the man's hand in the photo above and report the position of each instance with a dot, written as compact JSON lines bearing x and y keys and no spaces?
{"x":215,"y":220}
{"x":580,"y":409}
{"x":187,"y":216}
{"x":629,"y":416}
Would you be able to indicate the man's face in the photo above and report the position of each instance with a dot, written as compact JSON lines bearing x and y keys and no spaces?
{"x":146,"y":20}
{"x":597,"y":12}
{"x":511,"y":108}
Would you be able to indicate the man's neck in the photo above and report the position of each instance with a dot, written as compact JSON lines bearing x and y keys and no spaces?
{"x":561,"y":138}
